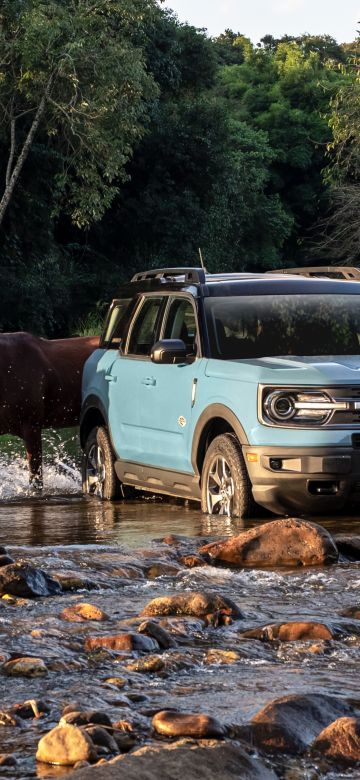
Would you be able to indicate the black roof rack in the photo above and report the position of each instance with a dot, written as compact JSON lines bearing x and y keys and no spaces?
{"x":332,"y":271}
{"x":191,"y":275}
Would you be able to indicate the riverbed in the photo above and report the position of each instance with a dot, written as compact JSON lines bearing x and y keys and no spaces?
{"x":118,"y":551}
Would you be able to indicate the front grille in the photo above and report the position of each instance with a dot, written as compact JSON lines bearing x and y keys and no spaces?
{"x":351,"y":416}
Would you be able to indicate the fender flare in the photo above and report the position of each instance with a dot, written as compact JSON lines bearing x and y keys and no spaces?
{"x":92,"y":403}
{"x":210,"y":413}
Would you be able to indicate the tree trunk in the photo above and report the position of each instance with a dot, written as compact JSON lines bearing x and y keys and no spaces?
{"x":11,"y":180}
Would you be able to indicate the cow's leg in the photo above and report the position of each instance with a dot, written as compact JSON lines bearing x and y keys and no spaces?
{"x":33,"y":445}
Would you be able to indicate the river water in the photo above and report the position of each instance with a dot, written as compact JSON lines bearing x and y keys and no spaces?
{"x":113,"y":547}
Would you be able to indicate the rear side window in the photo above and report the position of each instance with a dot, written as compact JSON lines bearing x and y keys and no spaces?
{"x":114,"y":325}
{"x":143,"y":332}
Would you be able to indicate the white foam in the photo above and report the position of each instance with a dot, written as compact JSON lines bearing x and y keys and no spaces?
{"x":59,"y":477}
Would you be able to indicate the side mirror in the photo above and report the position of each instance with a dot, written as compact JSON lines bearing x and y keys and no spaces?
{"x":168,"y":351}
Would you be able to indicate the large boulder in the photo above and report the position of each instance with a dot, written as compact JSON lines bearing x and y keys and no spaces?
{"x":196,"y":603}
{"x":210,"y":760}
{"x":21,"y":579}
{"x":65,"y":745}
{"x":287,"y":542}
{"x":291,"y":723}
{"x":340,"y":741}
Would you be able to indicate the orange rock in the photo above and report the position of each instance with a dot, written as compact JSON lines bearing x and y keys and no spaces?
{"x":122,"y":642}
{"x":79,"y":613}
{"x":340,"y":740}
{"x":197,"y":603}
{"x":289,"y":632}
{"x":184,"y":724}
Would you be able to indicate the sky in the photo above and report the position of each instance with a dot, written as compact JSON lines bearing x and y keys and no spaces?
{"x":256,"y":18}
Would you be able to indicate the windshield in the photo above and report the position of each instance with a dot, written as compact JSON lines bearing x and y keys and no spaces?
{"x":246,"y":327}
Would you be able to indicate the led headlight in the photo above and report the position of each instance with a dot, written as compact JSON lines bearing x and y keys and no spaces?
{"x":299,"y":406}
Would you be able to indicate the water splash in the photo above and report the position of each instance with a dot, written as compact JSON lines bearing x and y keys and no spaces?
{"x":59,"y":478}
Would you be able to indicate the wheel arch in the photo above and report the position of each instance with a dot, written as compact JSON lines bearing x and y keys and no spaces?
{"x":213,"y":421}
{"x":92,"y":415}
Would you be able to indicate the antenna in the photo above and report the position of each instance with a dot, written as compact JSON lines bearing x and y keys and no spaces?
{"x":201,"y":260}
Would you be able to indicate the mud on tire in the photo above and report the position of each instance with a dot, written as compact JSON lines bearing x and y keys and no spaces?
{"x":98,"y":473}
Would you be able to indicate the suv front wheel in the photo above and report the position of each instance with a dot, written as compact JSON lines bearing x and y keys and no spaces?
{"x":98,"y":473}
{"x":225,"y":483}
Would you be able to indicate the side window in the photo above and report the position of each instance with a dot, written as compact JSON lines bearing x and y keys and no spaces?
{"x":181,"y":324}
{"x":143,"y":331}
{"x":113,"y":330}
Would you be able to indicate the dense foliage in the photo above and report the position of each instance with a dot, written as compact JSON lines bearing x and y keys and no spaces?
{"x":128,"y":140}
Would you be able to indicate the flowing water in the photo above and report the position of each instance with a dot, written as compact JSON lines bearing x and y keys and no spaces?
{"x":113,"y":547}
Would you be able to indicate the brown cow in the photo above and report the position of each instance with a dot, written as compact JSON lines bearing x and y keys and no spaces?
{"x":40,"y":387}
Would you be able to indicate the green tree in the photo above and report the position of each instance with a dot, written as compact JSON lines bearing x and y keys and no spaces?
{"x":74,"y":71}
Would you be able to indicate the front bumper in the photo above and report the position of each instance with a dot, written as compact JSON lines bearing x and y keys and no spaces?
{"x":310,"y":480}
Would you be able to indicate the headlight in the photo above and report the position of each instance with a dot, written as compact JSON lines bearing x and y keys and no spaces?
{"x":299,"y":406}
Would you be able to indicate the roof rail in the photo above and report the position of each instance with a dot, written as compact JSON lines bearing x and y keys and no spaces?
{"x":192,"y":275}
{"x":331,"y":271}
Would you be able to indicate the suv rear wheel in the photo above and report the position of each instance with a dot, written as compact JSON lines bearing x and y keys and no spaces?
{"x":225,"y":483}
{"x":98,"y":473}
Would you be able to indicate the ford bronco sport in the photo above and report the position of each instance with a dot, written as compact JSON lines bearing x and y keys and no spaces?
{"x":230,"y":389}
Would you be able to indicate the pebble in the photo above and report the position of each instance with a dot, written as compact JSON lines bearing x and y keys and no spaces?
{"x":25,"y":667}
{"x":171,"y":723}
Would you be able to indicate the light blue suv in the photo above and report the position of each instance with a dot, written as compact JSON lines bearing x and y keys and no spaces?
{"x":233,"y":390}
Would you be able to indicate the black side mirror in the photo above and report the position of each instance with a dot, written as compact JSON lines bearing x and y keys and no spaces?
{"x":168,"y":351}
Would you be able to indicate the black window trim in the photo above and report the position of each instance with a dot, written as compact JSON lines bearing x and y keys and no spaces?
{"x":174,"y":297}
{"x":140,"y":303}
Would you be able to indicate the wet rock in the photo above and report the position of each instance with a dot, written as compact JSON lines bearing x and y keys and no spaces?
{"x":162,"y":569}
{"x":175,"y":540}
{"x":291,"y":723}
{"x":353,"y":612}
{"x":151,"y":663}
{"x":182,"y":627}
{"x":191,"y":561}
{"x":128,"y":572}
{"x":170,"y":723}
{"x":340,"y":740}
{"x":102,"y":738}
{"x":7,"y":760}
{"x":5,"y":560}
{"x":21,"y":579}
{"x":85,"y":718}
{"x":138,"y":642}
{"x":163,"y":638}
{"x":25,"y":667}
{"x":7,"y":718}
{"x":71,"y":581}
{"x":80,"y":613}
{"x":289,"y":632}
{"x":217,"y":656}
{"x":65,"y":745}
{"x":34,"y":708}
{"x":120,"y":682}
{"x":287,"y":542}
{"x":195,"y":603}
{"x":348,"y":546}
{"x":209,"y":760}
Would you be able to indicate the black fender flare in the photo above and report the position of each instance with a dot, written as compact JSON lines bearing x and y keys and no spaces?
{"x":91,"y":404}
{"x":210,"y":413}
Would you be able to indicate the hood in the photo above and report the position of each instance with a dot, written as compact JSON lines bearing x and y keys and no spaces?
{"x":290,"y":370}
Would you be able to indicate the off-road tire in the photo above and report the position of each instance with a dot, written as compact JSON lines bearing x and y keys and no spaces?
{"x":228,"y":448}
{"x":109,"y":486}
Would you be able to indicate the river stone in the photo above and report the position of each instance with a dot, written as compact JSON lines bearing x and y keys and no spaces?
{"x":25,"y":667}
{"x":191,"y":561}
{"x":289,"y":632}
{"x":7,"y":718}
{"x":34,"y":708}
{"x":197,"y":603}
{"x":291,"y":723}
{"x":286,"y":542}
{"x":348,"y":545}
{"x":72,"y":580}
{"x":162,"y":569}
{"x":211,"y":760}
{"x":5,"y":560}
{"x":340,"y":740}
{"x":148,"y":664}
{"x":65,"y":745}
{"x":217,"y":656}
{"x":79,"y":613}
{"x":138,"y":642}
{"x":170,"y":723}
{"x":6,"y":759}
{"x":353,"y":612}
{"x":85,"y":718}
{"x":101,"y":737}
{"x":150,"y":628}
{"x":21,"y":579}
